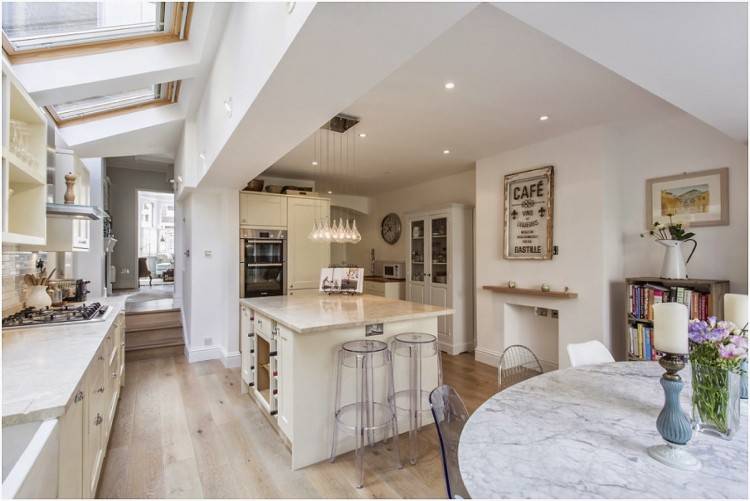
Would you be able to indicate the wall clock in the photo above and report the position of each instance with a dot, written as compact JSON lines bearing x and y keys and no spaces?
{"x":390,"y":228}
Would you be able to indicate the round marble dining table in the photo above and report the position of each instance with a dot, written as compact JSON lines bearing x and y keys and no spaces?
{"x":583,"y":433}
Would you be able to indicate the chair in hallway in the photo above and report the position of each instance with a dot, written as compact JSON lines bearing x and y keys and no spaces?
{"x":450,"y":415}
{"x":143,"y":271}
{"x":517,"y":363}
{"x":588,"y":353}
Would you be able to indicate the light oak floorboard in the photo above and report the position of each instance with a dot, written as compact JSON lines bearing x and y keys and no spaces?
{"x":184,"y":431}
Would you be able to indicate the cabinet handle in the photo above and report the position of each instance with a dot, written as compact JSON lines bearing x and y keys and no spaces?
{"x":100,"y":390}
{"x":98,"y":419}
{"x":79,"y":396}
{"x":114,"y":375}
{"x":101,"y":357}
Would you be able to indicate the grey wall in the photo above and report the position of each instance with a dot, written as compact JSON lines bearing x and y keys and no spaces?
{"x":90,"y":265}
{"x":123,"y":209}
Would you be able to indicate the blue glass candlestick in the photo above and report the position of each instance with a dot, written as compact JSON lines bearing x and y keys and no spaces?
{"x":672,"y":423}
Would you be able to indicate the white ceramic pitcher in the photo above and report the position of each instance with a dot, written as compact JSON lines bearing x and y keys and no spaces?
{"x":674,"y":264}
{"x":38,"y":297}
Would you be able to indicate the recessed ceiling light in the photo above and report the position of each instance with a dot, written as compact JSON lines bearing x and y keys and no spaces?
{"x":446,"y":152}
{"x":362,"y":134}
{"x":330,"y":192}
{"x":315,"y":162}
{"x":544,"y":118}
{"x":450,"y":85}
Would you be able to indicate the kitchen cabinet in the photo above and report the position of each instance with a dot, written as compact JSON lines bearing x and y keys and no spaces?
{"x":285,"y":369}
{"x":306,"y":257}
{"x":390,"y":288}
{"x":440,"y":270}
{"x":71,"y":446}
{"x":265,"y":210}
{"x":66,"y":234}
{"x":247,"y":347}
{"x":24,"y":165}
{"x":93,"y":450}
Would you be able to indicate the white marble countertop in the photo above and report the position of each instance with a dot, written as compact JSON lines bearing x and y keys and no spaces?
{"x":321,"y":312}
{"x":43,"y":365}
{"x":583,"y":433}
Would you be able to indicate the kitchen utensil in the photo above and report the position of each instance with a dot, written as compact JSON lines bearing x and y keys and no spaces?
{"x":29,"y":280}
{"x":46,"y":280}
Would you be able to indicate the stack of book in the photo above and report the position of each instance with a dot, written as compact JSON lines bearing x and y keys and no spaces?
{"x":644,"y":297}
{"x":641,"y":342}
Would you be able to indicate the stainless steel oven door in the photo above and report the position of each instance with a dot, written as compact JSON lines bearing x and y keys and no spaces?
{"x":259,"y":280}
{"x":263,"y":251}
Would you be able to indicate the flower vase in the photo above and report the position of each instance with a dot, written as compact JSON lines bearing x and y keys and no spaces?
{"x":743,"y":381}
{"x":38,"y":297}
{"x":716,"y":400}
{"x":674,"y":264}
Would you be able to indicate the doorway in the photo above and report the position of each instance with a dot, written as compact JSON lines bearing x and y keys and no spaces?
{"x":156,"y":260}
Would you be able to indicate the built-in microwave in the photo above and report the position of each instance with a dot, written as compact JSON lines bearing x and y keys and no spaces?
{"x":262,"y":262}
{"x":393,"y":270}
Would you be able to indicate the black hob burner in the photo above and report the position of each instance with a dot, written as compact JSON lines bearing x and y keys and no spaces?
{"x":32,"y":317}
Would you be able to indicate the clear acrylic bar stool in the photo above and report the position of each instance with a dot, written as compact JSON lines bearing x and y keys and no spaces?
{"x":416,"y":346}
{"x":365,"y":416}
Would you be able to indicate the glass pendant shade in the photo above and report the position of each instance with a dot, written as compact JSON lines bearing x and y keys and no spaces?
{"x":356,"y":236}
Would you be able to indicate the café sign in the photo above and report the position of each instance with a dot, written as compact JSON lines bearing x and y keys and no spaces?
{"x":528,"y":214}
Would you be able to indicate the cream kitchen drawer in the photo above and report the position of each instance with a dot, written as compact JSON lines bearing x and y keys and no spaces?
{"x":262,"y":325}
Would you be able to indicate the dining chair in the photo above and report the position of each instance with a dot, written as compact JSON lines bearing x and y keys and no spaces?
{"x":517,"y":363}
{"x":588,"y":353}
{"x":450,"y":415}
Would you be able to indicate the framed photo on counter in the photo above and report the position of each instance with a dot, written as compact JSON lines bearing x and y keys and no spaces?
{"x":528,"y":214}
{"x":342,"y":280}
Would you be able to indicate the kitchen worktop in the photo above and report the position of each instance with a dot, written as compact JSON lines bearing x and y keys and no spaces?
{"x":316,"y":313}
{"x":42,"y":366}
{"x":384,"y":280}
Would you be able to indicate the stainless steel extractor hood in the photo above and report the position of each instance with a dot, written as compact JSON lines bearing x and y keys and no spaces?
{"x":54,"y":193}
{"x":71,"y":211}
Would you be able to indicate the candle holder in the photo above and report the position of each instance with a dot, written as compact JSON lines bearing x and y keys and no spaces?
{"x":673,"y":424}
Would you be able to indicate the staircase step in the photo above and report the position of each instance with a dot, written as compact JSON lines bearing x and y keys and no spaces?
{"x":164,"y":351}
{"x":152,"y":320}
{"x":153,"y":338}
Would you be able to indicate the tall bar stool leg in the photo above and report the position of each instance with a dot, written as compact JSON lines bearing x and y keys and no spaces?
{"x":413,"y":378}
{"x":439,"y":364}
{"x":392,"y":400}
{"x":359,"y":453}
{"x":370,"y":400}
{"x":337,"y":405}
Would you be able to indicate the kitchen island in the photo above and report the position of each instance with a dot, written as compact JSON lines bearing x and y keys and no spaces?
{"x":289,"y":346}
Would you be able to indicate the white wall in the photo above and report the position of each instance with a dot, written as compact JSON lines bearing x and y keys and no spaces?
{"x":456,"y":188}
{"x":600,"y":176}
{"x":211,"y":278}
{"x":90,"y":265}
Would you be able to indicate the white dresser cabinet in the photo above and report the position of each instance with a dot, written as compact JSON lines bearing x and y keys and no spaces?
{"x":440,"y":270}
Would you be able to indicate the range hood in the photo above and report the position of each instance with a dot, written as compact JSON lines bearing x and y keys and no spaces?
{"x":71,"y":211}
{"x":56,"y":188}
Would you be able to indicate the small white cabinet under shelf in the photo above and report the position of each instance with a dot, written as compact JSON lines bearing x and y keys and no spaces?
{"x":440,"y":270}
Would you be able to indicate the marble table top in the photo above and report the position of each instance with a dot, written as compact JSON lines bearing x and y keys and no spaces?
{"x":42,"y":366}
{"x":322,"y":312}
{"x":583,"y":433}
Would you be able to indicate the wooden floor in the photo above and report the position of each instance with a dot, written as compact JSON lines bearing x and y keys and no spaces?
{"x":184,"y":431}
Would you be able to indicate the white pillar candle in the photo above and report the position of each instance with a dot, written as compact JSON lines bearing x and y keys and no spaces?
{"x":671,"y":328}
{"x":735,"y":309}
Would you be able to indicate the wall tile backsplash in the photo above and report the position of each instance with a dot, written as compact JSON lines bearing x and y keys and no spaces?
{"x":15,"y":265}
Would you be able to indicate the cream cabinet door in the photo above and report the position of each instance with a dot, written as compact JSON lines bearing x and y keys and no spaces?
{"x":247,"y":343}
{"x":71,"y":447}
{"x":262,"y":209}
{"x":306,"y":257}
{"x":95,"y":405}
{"x":285,"y":369}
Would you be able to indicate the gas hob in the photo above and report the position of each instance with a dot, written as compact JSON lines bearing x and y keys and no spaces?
{"x":40,"y":317}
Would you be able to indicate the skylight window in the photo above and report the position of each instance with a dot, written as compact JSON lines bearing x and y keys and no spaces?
{"x":101,"y":106}
{"x":44,"y":27}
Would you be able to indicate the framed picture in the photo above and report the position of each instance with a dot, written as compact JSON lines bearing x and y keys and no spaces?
{"x":342,"y":280}
{"x":529,"y":213}
{"x":698,"y":198}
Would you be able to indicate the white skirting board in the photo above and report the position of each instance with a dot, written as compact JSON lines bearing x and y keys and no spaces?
{"x":232,"y":359}
{"x":203,"y":353}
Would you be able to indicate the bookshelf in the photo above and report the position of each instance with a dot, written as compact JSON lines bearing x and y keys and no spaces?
{"x":704,"y":298}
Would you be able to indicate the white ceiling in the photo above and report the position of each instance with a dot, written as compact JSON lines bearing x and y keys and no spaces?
{"x":507,"y":75}
{"x":692,"y":54}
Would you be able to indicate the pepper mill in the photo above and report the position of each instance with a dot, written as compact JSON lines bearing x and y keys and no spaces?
{"x":70,"y":195}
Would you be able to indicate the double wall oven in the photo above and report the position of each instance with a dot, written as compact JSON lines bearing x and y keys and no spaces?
{"x":262,"y":262}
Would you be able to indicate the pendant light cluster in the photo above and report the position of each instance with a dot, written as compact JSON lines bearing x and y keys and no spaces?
{"x":334,"y":156}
